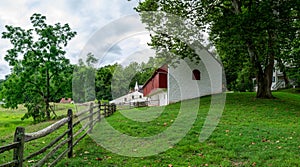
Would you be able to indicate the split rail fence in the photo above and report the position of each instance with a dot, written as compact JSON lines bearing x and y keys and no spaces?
{"x":89,"y":116}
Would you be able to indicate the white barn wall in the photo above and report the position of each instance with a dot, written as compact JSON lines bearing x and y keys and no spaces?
{"x":214,"y":70}
{"x":182,"y":86}
{"x":163,"y":98}
{"x":159,"y":98}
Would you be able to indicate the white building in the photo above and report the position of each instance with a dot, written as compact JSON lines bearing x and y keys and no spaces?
{"x":130,"y":98}
{"x":186,"y":81}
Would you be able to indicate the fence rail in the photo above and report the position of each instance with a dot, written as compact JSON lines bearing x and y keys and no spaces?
{"x":21,"y":138}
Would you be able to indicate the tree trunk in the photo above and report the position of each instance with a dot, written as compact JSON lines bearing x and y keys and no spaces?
{"x":265,"y":78}
{"x":264,"y":82}
{"x":48,"y":95}
{"x":48,"y":109}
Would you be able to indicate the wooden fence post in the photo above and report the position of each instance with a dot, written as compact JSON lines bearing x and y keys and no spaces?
{"x":110,"y":110}
{"x":99,"y":111}
{"x":18,"y":152}
{"x":114,"y":108}
{"x":70,"y":133}
{"x":107,"y":110}
{"x":91,"y":118}
{"x":104,"y":105}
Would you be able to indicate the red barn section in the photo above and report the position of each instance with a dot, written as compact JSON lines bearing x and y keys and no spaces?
{"x":157,"y":81}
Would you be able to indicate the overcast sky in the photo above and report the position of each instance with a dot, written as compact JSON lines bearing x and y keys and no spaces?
{"x":88,"y":18}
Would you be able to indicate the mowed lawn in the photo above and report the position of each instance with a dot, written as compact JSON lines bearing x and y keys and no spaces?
{"x":251,"y":132}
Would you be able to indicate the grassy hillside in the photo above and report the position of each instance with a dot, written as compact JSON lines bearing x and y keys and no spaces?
{"x":251,"y":132}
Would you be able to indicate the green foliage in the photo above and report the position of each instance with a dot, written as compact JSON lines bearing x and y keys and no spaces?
{"x":103,"y":81}
{"x":13,"y":92}
{"x":40,"y":72}
{"x":125,"y":78}
{"x":1,"y":85}
{"x":113,"y":81}
{"x":173,"y":35}
{"x":294,"y":74}
{"x":249,"y":31}
{"x":83,"y":82}
{"x":238,"y":73}
{"x":122,"y":78}
{"x":147,"y":70}
{"x":108,"y":82}
{"x":244,"y":80}
{"x":293,"y":61}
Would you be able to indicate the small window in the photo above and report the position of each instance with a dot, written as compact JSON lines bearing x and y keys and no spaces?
{"x":125,"y":99}
{"x":196,"y":75}
{"x":273,"y":79}
{"x":132,"y":97}
{"x":140,"y":96}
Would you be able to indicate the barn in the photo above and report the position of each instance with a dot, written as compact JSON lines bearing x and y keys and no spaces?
{"x":186,"y":80}
{"x":156,"y":86}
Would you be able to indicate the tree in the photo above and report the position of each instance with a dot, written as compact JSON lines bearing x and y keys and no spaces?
{"x":83,"y":82}
{"x":113,"y":81}
{"x":252,"y":29}
{"x":104,"y":77}
{"x":1,"y":86}
{"x":39,"y":66}
{"x":147,"y":69}
{"x":124,"y":78}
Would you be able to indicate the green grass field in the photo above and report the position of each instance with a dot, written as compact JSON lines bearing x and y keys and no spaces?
{"x":11,"y":118}
{"x":251,"y":132}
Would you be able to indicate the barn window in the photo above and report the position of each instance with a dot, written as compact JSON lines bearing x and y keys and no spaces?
{"x":132,"y":97}
{"x":125,"y":99}
{"x":196,"y":75}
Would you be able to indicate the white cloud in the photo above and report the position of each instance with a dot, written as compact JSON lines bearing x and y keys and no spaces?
{"x":138,"y":56}
{"x":4,"y":69}
{"x":126,"y":35}
{"x":85,"y":17}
